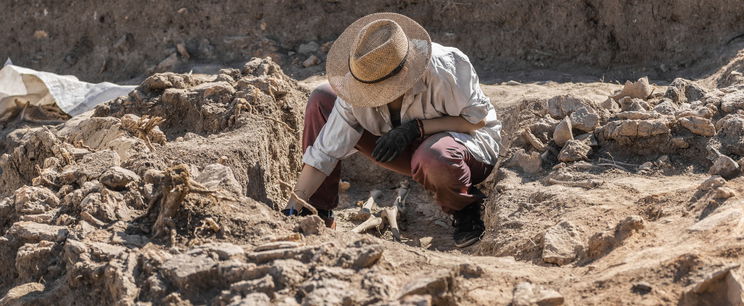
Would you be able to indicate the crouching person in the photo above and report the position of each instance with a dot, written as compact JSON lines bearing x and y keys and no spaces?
{"x":409,"y":105}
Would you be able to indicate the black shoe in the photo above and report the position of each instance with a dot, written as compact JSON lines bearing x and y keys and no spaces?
{"x":468,"y":225}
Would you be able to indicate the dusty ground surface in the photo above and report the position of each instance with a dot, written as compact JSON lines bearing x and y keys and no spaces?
{"x":171,"y":195}
{"x":605,"y":194}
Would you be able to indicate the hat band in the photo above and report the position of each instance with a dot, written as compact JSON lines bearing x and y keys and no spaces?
{"x":385,"y":77}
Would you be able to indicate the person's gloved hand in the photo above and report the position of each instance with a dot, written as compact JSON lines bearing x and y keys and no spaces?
{"x":390,"y":145}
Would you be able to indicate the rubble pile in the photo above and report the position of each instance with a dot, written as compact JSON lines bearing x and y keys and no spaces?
{"x":686,"y":122}
{"x":155,"y":197}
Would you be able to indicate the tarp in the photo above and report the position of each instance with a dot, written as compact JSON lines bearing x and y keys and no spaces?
{"x":44,"y":88}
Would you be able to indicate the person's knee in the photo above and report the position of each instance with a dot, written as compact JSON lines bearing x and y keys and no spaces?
{"x":431,"y":160}
{"x":322,"y":97}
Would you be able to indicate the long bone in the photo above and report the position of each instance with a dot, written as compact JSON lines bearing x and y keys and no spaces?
{"x":365,"y":211}
{"x":372,"y":222}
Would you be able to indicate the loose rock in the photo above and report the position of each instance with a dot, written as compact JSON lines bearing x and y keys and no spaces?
{"x":725,"y":167}
{"x":698,"y":125}
{"x":712,"y":183}
{"x":640,"y":89}
{"x":563,"y":132}
{"x":562,"y":243}
{"x":584,"y":120}
{"x":527,"y":294}
{"x":117,"y":178}
{"x":574,"y":150}
{"x":312,"y":225}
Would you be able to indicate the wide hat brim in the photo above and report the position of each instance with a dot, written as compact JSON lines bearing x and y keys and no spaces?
{"x":361,"y":94}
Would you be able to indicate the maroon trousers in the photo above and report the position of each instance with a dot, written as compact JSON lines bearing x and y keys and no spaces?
{"x":438,"y":162}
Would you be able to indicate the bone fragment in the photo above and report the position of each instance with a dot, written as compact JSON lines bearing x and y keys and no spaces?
{"x":277,"y":245}
{"x":391,"y":216}
{"x":372,"y":222}
{"x":536,"y":143}
{"x":366,"y":211}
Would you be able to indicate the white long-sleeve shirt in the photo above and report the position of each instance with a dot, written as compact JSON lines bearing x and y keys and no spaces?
{"x":449,"y":87}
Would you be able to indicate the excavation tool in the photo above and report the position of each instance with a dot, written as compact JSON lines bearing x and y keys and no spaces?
{"x":387,"y":215}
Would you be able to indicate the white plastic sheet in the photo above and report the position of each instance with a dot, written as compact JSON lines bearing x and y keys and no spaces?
{"x":44,"y":88}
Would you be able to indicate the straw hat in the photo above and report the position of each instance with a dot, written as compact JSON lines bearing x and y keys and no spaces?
{"x":377,"y":59}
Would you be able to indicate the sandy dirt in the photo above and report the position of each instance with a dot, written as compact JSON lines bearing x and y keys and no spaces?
{"x":606,"y":192}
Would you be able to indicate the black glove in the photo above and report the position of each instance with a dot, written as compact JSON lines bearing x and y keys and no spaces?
{"x":390,"y":145}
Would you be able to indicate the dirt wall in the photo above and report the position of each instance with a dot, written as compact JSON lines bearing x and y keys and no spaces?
{"x":122,"y":40}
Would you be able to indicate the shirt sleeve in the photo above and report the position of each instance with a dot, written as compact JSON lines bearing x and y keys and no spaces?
{"x":336,"y":140}
{"x":458,"y":92}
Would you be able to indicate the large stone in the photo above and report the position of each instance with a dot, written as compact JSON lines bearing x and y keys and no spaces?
{"x":733,"y":101}
{"x":439,"y":284}
{"x":190,"y":272}
{"x":711,"y":183}
{"x":527,"y":294}
{"x":32,"y":260}
{"x":698,"y":125}
{"x":529,"y":163}
{"x":729,"y":217}
{"x":725,"y":167}
{"x":90,"y":167}
{"x":17,"y":295}
{"x":640,"y":89}
{"x":34,"y":200}
{"x":731,"y":133}
{"x":562,"y":243}
{"x":722,"y":286}
{"x":35,"y":232}
{"x":217,"y":176}
{"x":264,"y":285}
{"x":564,"y":105}
{"x":584,"y":119}
{"x":574,"y":150}
{"x":117,"y":178}
{"x":223,"y":250}
{"x":563,"y":132}
{"x":635,"y":128}
{"x":308,"y":48}
{"x":312,"y":225}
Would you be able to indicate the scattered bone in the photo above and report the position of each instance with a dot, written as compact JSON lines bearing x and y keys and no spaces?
{"x":391,"y":216}
{"x":536,"y":143}
{"x":366,"y":210}
{"x":92,"y":220}
{"x":277,"y":245}
{"x":373,"y":222}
